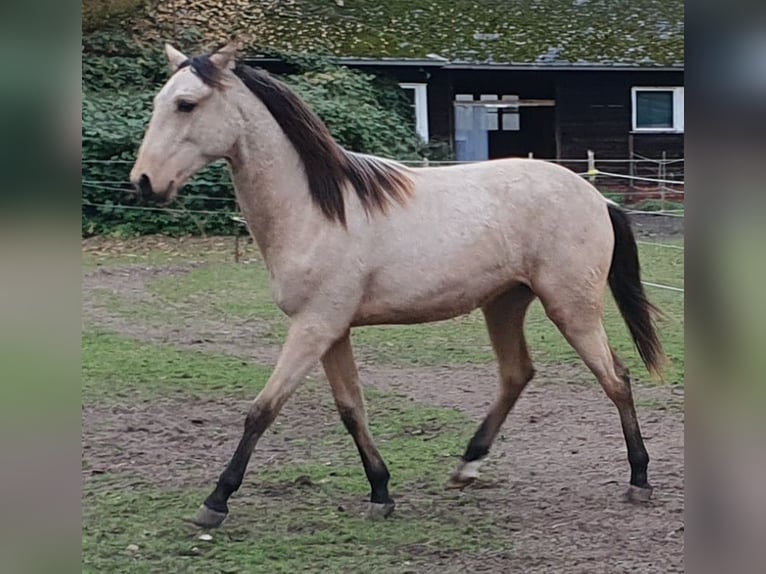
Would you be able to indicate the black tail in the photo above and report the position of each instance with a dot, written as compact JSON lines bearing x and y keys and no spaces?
{"x":628,"y":291}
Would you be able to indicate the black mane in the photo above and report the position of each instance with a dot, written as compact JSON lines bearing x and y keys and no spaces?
{"x":328,"y":167}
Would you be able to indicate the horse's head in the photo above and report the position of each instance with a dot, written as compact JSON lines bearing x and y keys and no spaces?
{"x":192,"y":124}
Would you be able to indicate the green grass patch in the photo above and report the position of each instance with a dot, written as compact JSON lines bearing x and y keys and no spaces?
{"x":236,"y":290}
{"x":658,"y":205}
{"x":419,"y":444}
{"x":131,"y":525}
{"x":116,"y":367}
{"x":243,"y":291}
{"x":143,"y":530}
{"x":139,"y":310}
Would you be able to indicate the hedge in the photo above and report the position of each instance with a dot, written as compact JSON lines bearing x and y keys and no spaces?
{"x":120,"y":79}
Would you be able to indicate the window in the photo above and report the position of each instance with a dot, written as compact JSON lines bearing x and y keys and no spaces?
{"x":418,"y":97}
{"x":658,"y":109}
{"x":497,"y":112}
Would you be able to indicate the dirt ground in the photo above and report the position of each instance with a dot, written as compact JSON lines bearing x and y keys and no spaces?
{"x":552,"y":469}
{"x":659,"y":227}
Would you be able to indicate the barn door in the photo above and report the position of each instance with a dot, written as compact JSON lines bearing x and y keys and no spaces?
{"x":471,"y":141}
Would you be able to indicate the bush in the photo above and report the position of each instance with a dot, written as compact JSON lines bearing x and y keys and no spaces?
{"x":120,"y":79}
{"x":98,"y":13}
{"x":113,"y":125}
{"x":657,"y":205}
{"x":618,"y":198}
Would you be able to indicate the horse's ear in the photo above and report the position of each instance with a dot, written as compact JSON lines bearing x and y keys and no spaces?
{"x":175,"y":58}
{"x":225,"y":57}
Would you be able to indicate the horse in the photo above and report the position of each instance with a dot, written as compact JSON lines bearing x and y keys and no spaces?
{"x":351,"y":239}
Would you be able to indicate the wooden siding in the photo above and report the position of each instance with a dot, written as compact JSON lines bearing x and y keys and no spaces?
{"x":593,"y":112}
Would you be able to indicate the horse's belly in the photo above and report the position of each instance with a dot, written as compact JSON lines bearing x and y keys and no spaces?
{"x":423,"y":301}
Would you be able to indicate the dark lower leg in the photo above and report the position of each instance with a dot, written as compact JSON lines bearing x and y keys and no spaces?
{"x":481,"y":441}
{"x":306,"y":342}
{"x":637,"y":455}
{"x":374,"y":467}
{"x":505,"y":324}
{"x":623,"y":399}
{"x":479,"y":445}
{"x":231,"y":478}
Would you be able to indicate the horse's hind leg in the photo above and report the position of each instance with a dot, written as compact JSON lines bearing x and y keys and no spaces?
{"x":583,"y":328}
{"x":343,"y":377}
{"x":505,"y":322}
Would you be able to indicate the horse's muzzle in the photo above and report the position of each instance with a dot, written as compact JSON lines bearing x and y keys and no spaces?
{"x":143,"y":185}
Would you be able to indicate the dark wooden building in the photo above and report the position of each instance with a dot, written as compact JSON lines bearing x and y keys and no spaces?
{"x":487,"y":111}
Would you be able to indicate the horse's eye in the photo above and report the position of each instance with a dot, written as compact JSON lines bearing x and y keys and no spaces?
{"x":186,"y":107}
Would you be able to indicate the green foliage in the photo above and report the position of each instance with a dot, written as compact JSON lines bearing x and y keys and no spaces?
{"x":657,"y":205}
{"x":636,"y":31}
{"x":345,"y":100}
{"x":120,"y":78}
{"x":97,"y":13}
{"x":618,"y":198}
{"x":113,"y":125}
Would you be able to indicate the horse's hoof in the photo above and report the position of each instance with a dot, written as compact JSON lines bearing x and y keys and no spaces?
{"x":380,"y":510}
{"x":637,"y":494}
{"x":209,"y":518}
{"x":459,"y":481}
{"x":465,"y":474}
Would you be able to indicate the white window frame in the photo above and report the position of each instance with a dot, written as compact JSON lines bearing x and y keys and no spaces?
{"x":421,"y":108}
{"x":678,"y":109}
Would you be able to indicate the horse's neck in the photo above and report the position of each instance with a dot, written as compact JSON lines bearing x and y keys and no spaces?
{"x":270,"y":187}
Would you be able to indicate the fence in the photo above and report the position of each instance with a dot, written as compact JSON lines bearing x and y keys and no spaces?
{"x":631,"y":180}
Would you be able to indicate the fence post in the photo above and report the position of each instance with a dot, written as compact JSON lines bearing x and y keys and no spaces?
{"x":631,"y":166}
{"x":592,"y":166}
{"x":661,"y":170}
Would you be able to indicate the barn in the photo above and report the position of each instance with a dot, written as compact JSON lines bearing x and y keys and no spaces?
{"x":553,"y":79}
{"x":555,"y":110}
{"x":489,"y":78}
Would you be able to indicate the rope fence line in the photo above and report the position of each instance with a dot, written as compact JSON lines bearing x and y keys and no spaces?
{"x":453,"y":161}
{"x":639,"y":178}
{"x":658,"y":244}
{"x":149,"y":208}
{"x":661,"y":286}
{"x":185,"y":196}
{"x":127,"y":190}
{"x":640,"y":157}
{"x":97,"y":183}
{"x":667,"y":213}
{"x":239,"y":219}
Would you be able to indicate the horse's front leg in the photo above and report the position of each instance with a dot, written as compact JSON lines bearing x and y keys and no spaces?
{"x":307,"y":340}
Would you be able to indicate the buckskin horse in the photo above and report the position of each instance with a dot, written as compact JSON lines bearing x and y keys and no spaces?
{"x":351,"y":239}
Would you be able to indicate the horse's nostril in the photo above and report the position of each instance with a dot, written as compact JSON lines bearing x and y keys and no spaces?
{"x":144,"y":184}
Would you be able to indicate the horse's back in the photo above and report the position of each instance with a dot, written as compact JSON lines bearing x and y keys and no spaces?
{"x":472,"y":231}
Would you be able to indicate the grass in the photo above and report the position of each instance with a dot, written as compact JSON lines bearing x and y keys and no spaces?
{"x":242,"y":291}
{"x":143,"y":530}
{"x":658,"y":205}
{"x":142,"y":527}
{"x":134,"y":524}
{"x":115,"y":368}
{"x":99,"y":252}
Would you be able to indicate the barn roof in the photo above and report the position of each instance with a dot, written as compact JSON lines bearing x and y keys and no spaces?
{"x":632,"y":33}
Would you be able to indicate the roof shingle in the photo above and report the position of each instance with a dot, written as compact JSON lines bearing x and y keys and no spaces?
{"x":603,"y":32}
